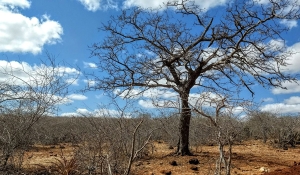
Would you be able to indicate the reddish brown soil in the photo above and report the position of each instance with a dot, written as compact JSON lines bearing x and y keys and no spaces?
{"x":294,"y":170}
{"x":249,"y":158}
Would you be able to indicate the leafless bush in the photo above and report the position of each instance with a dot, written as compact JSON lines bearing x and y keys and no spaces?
{"x":113,"y":140}
{"x":23,"y":101}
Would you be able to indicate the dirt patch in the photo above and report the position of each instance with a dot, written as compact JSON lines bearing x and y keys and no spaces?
{"x":294,"y":170}
{"x":249,"y":158}
{"x":43,"y":156}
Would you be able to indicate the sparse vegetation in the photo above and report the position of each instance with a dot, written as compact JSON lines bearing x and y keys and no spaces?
{"x":215,"y":60}
{"x":109,"y":149}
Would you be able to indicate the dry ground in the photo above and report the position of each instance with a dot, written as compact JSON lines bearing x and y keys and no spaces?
{"x":41,"y":156}
{"x":249,"y":158}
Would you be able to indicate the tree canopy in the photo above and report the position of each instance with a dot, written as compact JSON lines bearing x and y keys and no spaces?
{"x":184,"y":47}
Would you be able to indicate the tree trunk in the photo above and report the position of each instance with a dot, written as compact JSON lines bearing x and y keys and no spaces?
{"x":184,"y":126}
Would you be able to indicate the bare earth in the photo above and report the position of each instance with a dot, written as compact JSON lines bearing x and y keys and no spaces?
{"x":249,"y":158}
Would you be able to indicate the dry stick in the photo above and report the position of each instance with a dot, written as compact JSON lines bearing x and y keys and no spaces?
{"x":132,"y":148}
{"x":134,"y":154}
{"x":221,"y":146}
{"x":108,"y":164}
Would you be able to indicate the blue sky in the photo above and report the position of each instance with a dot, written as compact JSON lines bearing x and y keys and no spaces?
{"x":65,"y":28}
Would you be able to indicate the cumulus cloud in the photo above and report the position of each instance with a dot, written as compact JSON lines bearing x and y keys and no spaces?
{"x":150,"y":93}
{"x":82,"y":111}
{"x":8,"y":95}
{"x":267,"y":99}
{"x":72,"y":81}
{"x":161,"y":97}
{"x":204,"y":4}
{"x":103,"y":112}
{"x":90,"y":82}
{"x":263,"y":1}
{"x":69,"y":114}
{"x":294,"y":6}
{"x":94,"y":5}
{"x":19,"y":33}
{"x":78,"y":112}
{"x":89,"y":65}
{"x":289,"y":23}
{"x":281,"y":108}
{"x":294,"y":60}
{"x":238,"y":110}
{"x":168,"y":103}
{"x":292,"y":100}
{"x":12,"y":4}
{"x":292,"y":68}
{"x":77,"y":97}
{"x":292,"y":87}
{"x":91,"y":5}
{"x":22,"y":73}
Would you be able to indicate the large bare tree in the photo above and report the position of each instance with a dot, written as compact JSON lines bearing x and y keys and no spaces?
{"x":184,"y":46}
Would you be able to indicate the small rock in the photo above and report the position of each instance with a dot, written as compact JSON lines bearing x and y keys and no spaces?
{"x":171,"y":147}
{"x":173,"y":163}
{"x":166,"y":172}
{"x":263,"y":170}
{"x":194,"y":161}
{"x":194,"y":168}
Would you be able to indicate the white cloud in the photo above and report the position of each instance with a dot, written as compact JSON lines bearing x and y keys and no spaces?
{"x":263,"y":1}
{"x":291,"y":88}
{"x":69,"y":114}
{"x":204,"y":4}
{"x":89,"y":65}
{"x":291,"y":6}
{"x":238,"y":110}
{"x":104,"y":112}
{"x":19,"y":33}
{"x":66,"y":70}
{"x":73,"y":81}
{"x":161,"y":97}
{"x":267,"y":99}
{"x":146,"y":104}
{"x":16,"y":69}
{"x":79,"y":112}
{"x":292,"y":100}
{"x":290,"y":105}
{"x":82,"y":111}
{"x":281,"y":108}
{"x":289,"y":23}
{"x":94,"y":5}
{"x":21,"y":73}
{"x":77,"y":97}
{"x":158,"y":103}
{"x":157,"y":93}
{"x":90,"y":82}
{"x":294,"y":60}
{"x":91,"y":5}
{"x":11,"y":4}
{"x":160,"y":93}
{"x":275,"y":45}
{"x":205,"y":99}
